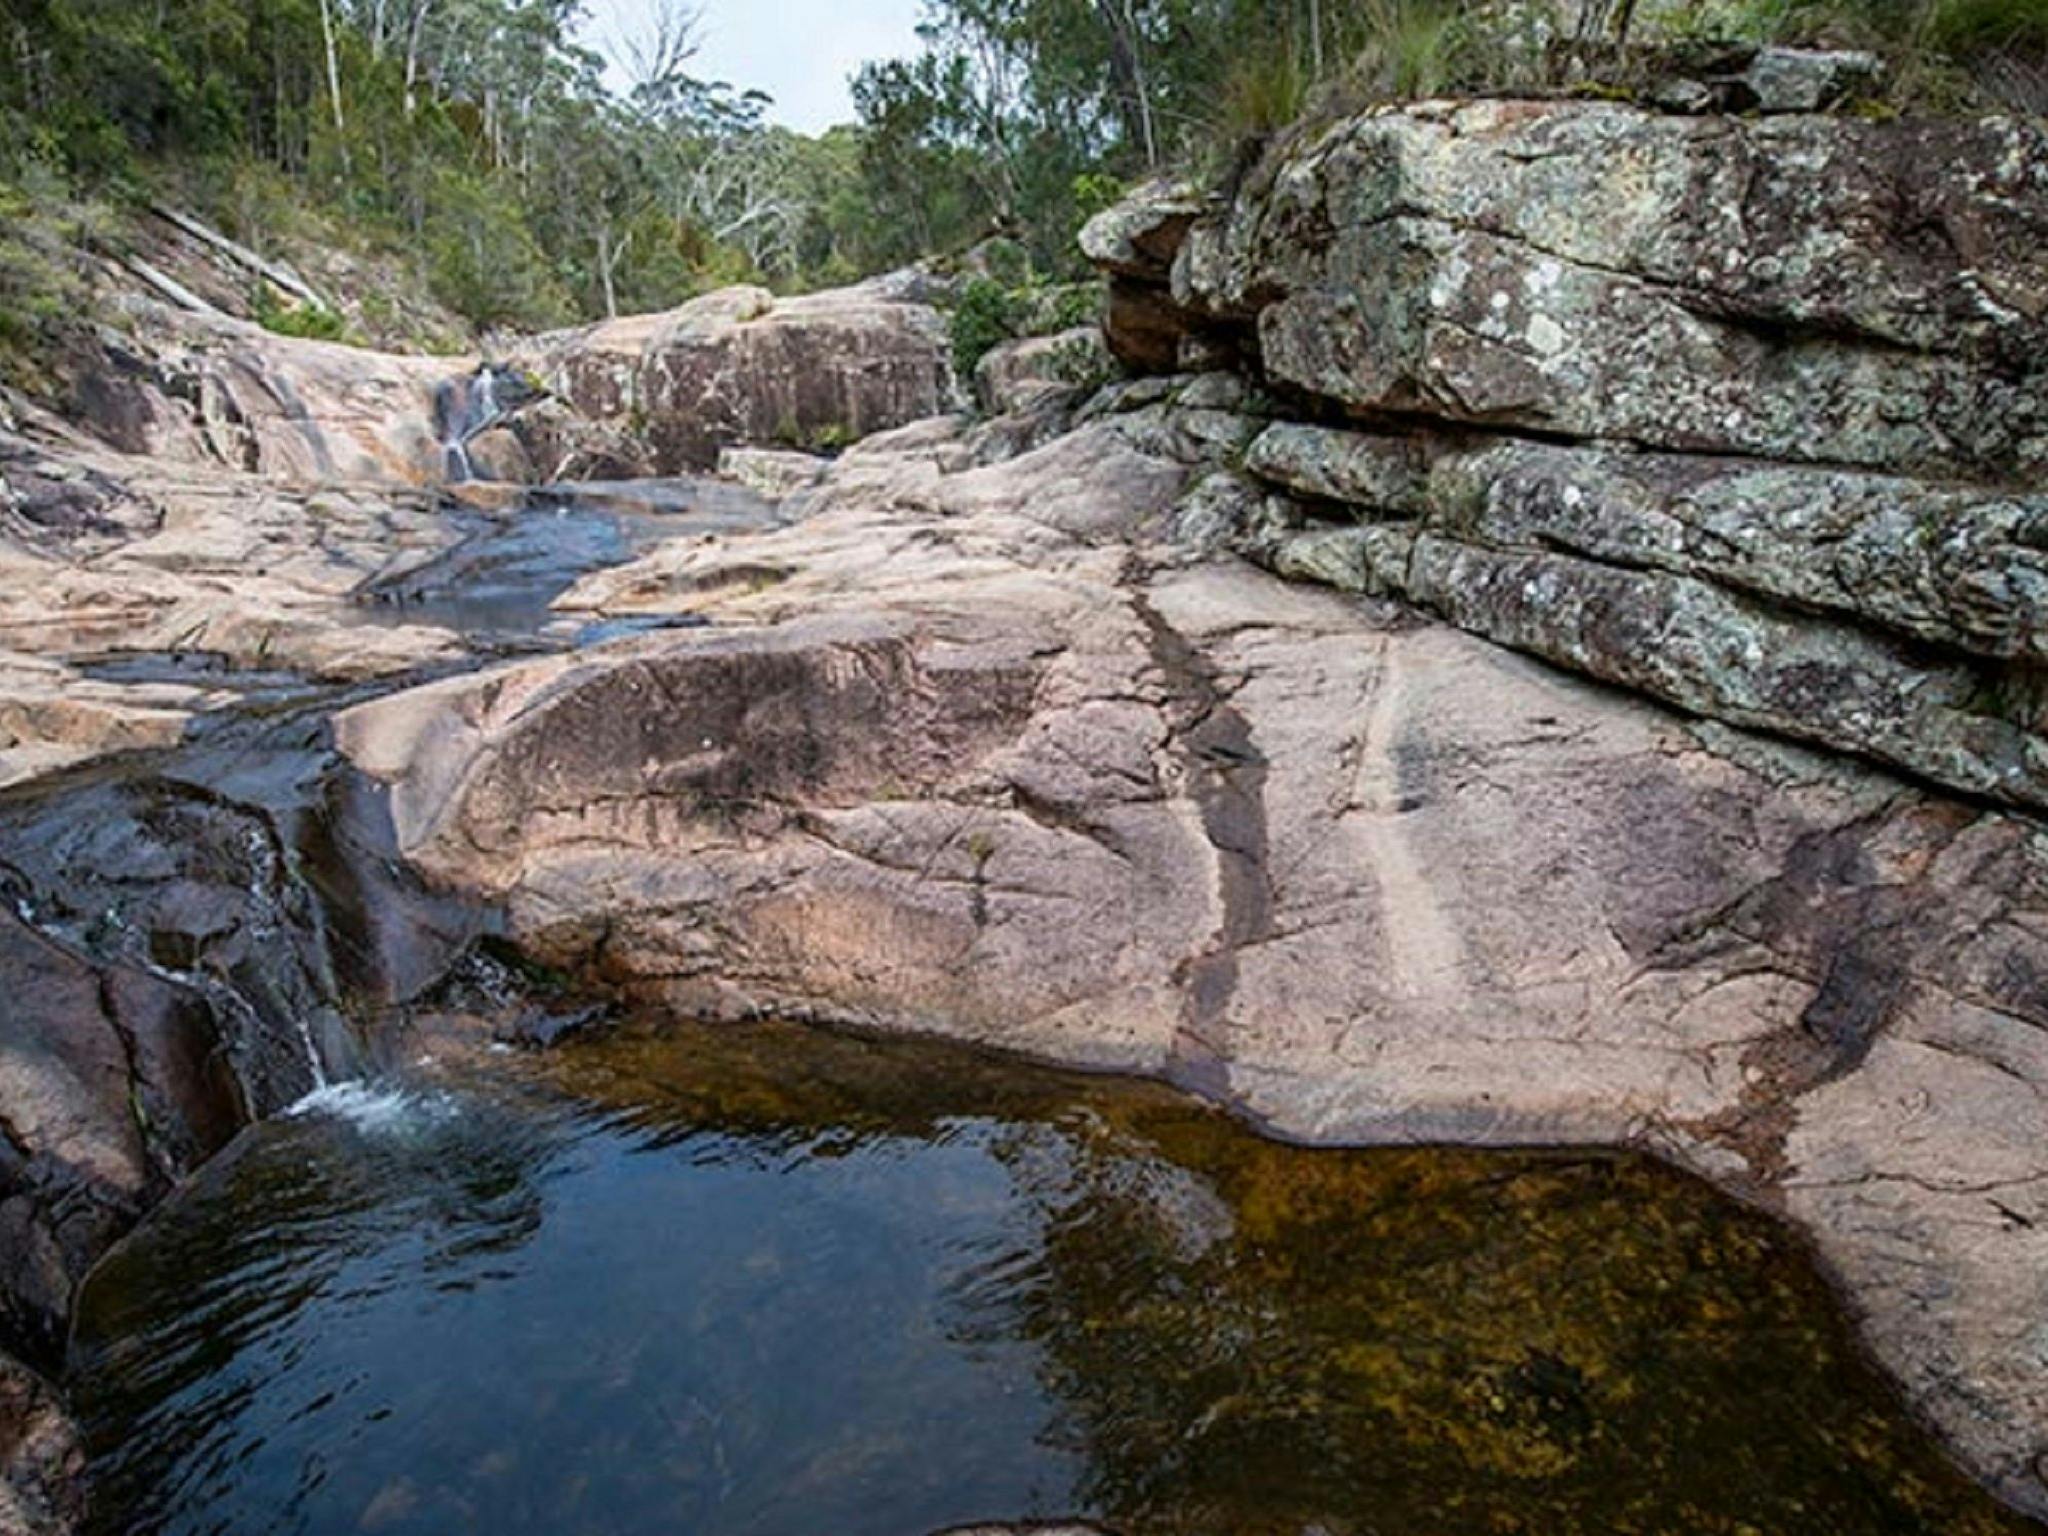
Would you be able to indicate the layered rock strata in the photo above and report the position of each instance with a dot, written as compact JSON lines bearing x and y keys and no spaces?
{"x":1747,"y":415}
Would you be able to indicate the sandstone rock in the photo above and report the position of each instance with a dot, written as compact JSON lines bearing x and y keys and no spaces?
{"x":562,"y":444}
{"x":1014,"y":374}
{"x":1364,"y":878}
{"x":772,"y":472}
{"x":739,"y":367}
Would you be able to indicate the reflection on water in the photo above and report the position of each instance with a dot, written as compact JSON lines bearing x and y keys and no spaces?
{"x":763,"y":1281}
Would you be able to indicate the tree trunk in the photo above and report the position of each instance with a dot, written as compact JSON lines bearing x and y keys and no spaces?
{"x":604,"y":270}
{"x":414,"y":33}
{"x":334,"y":81}
{"x":1127,"y":72}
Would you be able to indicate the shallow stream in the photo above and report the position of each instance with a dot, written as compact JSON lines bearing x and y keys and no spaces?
{"x":763,"y":1280}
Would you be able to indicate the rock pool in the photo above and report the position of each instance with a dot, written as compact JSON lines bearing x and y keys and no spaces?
{"x":765,"y":1280}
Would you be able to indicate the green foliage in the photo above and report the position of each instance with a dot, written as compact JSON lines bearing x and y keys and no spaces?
{"x":1264,"y":92}
{"x":43,"y":286}
{"x":988,"y":311}
{"x":310,"y":321}
{"x":486,"y":263}
{"x":985,"y":315}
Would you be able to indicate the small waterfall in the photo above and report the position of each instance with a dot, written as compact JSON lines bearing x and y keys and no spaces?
{"x":470,"y":405}
{"x":313,"y":1061}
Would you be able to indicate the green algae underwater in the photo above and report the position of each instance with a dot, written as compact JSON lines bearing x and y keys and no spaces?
{"x":768,"y":1280}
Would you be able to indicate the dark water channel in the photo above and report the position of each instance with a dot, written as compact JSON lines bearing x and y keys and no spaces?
{"x":700,"y":1282}
{"x":496,"y":582}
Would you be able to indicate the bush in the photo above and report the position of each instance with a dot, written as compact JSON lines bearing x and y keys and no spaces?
{"x":314,"y":322}
{"x":485,"y":263}
{"x":44,"y":290}
{"x":985,"y":315}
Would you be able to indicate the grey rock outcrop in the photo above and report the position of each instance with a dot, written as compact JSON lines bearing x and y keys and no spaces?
{"x":741,"y":367}
{"x":1015,"y":374}
{"x":1795,"y":287}
{"x":1748,"y":415}
{"x":1878,"y":615}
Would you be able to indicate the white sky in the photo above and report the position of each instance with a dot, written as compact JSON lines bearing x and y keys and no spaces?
{"x":801,"y":52}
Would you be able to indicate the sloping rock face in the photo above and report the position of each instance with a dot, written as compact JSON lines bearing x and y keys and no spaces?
{"x":741,"y":367}
{"x":232,"y":581}
{"x":229,"y":394}
{"x":963,"y":755}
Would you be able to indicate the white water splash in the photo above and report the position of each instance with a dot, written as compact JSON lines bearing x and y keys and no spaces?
{"x":375,"y":1109}
{"x":313,"y":1062}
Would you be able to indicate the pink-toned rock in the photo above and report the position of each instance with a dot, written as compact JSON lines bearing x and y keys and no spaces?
{"x":956,"y":758}
{"x":227,"y":393}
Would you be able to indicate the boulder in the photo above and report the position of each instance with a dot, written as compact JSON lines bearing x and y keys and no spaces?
{"x":1140,"y":236}
{"x":1135,"y":242}
{"x":740,"y":367}
{"x":1014,"y":374}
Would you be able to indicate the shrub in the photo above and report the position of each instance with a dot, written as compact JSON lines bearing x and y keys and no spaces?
{"x":315,"y":322}
{"x":985,"y":315}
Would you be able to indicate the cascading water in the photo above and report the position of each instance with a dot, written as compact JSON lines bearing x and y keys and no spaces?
{"x":468,"y":406}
